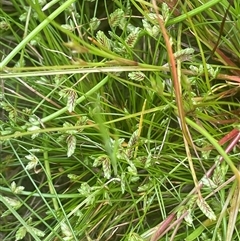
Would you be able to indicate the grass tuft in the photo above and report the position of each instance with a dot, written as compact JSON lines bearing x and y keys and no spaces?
{"x":119,"y":120}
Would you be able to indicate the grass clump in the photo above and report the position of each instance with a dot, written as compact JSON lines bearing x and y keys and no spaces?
{"x":119,"y":120}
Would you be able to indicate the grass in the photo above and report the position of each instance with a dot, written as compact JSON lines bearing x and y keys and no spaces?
{"x":117,"y":124}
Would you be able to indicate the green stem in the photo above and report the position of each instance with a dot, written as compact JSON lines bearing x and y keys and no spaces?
{"x":217,"y":146}
{"x":57,"y":113}
{"x":19,"y":218}
{"x":39,"y":28}
{"x":48,"y":173}
{"x":79,"y":100}
{"x":192,"y":13}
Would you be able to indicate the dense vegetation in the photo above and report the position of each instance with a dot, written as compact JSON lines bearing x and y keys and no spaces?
{"x":119,"y":120}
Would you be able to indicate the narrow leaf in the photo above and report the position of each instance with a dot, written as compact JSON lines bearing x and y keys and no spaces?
{"x":234,"y":212}
{"x":123,"y":185}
